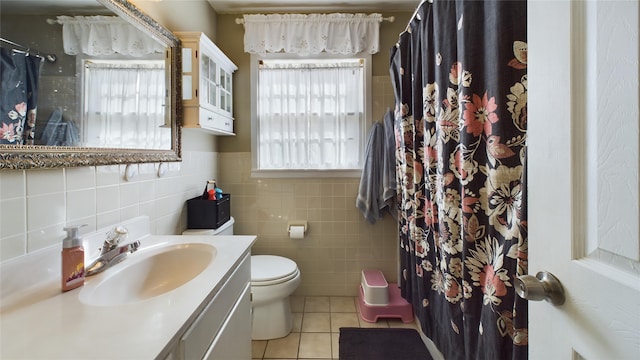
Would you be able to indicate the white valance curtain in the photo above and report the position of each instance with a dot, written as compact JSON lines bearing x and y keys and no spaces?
{"x":105,"y":35}
{"x":312,"y":33}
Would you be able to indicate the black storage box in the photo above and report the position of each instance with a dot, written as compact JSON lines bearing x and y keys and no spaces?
{"x":203,"y":213}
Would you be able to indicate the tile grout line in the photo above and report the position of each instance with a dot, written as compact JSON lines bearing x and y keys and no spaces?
{"x":330,"y":332}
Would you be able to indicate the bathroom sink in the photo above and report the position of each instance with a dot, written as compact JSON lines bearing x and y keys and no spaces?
{"x":147,"y":274}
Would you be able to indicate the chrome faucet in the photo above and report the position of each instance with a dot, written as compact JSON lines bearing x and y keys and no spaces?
{"x":110,"y":252}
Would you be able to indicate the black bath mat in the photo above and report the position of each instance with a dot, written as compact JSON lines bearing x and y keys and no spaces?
{"x":381,"y":344}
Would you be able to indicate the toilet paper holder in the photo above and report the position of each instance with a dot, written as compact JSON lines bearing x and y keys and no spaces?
{"x":297,"y":223}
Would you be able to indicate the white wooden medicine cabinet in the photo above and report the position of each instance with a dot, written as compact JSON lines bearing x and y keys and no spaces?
{"x":207,"y":85}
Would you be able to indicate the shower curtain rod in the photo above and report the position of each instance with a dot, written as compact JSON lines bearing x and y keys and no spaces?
{"x":415,"y":13}
{"x":47,"y":57}
{"x":389,"y":19}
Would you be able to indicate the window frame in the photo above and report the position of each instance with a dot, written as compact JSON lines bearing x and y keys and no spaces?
{"x":306,"y":173}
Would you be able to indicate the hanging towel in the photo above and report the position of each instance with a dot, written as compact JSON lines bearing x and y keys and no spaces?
{"x":389,"y":181}
{"x":370,"y":199}
{"x":378,"y":182}
{"x":59,"y":132}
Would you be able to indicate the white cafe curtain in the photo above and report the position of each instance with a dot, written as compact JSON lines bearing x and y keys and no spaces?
{"x":122,"y":114}
{"x":310,"y":115}
{"x":312,"y":33}
{"x":105,"y":35}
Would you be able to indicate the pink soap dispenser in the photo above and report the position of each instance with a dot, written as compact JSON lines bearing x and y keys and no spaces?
{"x":72,"y":259}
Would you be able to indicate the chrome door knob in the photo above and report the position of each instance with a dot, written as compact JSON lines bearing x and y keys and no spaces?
{"x":543,"y":286}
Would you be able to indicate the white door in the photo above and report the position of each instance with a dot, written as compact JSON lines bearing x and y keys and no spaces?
{"x":583,"y":188}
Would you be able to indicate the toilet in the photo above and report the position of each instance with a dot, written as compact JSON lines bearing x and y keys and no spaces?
{"x":273,"y":280}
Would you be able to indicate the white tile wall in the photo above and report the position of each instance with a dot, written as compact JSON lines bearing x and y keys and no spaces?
{"x":36,"y":204}
{"x":81,"y":178}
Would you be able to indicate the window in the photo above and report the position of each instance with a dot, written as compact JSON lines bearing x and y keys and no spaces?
{"x":310,"y":115}
{"x":123,"y":104}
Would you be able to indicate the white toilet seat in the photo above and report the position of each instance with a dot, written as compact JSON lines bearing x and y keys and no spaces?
{"x":270,"y":270}
{"x":275,"y":281}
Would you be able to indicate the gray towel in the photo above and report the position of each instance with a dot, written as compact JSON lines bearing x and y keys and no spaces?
{"x":378,"y":183}
{"x":389,"y":181}
{"x":370,"y":198}
{"x":59,"y":132}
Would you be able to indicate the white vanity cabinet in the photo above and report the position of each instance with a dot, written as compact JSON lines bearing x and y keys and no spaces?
{"x":207,"y":85}
{"x":189,"y":307}
{"x":222,"y":329}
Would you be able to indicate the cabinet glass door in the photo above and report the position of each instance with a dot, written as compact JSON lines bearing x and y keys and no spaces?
{"x":208,"y":84}
{"x":225,"y":90}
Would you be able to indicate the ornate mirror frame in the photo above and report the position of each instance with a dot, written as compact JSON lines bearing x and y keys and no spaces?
{"x":35,"y":156}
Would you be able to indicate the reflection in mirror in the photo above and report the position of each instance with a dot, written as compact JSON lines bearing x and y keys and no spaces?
{"x":121,"y":87}
{"x":82,"y":86}
{"x":123,"y":104}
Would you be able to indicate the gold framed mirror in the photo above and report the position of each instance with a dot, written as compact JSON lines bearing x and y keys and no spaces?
{"x":15,"y":157}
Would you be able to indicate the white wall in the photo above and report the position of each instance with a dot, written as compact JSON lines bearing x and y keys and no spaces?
{"x":36,"y":204}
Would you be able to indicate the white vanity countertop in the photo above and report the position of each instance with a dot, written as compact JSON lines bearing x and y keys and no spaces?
{"x":43,"y":323}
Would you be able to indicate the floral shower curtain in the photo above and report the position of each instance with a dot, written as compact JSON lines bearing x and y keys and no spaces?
{"x":459,"y":73}
{"x":19,"y":78}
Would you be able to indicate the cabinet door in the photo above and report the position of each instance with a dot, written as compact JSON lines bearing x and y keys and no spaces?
{"x":234,"y":338}
{"x":208,"y":81}
{"x":225,"y":91}
{"x":210,"y":324}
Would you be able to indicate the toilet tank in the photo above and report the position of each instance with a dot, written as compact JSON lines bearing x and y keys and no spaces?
{"x":224,"y":229}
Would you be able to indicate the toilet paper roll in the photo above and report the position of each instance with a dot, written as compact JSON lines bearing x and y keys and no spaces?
{"x":296,"y":232}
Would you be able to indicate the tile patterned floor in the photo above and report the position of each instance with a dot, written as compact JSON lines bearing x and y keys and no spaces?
{"x":316,"y":324}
